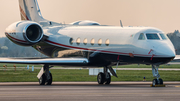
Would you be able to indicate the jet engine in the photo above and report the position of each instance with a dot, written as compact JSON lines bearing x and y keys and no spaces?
{"x":25,"y":33}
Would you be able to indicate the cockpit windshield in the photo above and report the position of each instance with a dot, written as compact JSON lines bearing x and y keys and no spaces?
{"x":141,"y":37}
{"x":152,"y":36}
{"x":163,"y":36}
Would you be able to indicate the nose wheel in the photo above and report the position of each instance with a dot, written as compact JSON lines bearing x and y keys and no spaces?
{"x":158,"y":82}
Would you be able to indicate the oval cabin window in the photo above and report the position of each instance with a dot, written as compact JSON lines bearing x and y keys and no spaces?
{"x":78,"y":41}
{"x":107,"y":42}
{"x":92,"y":42}
{"x":85,"y":41}
{"x":99,"y":42}
{"x":71,"y":41}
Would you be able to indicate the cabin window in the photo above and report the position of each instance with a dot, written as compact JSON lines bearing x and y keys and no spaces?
{"x":99,"y":42}
{"x":107,"y":42}
{"x":92,"y":42}
{"x":85,"y":41}
{"x":78,"y":41}
{"x":71,"y":41}
{"x":163,"y":36}
{"x":152,"y":36}
{"x":141,"y":37}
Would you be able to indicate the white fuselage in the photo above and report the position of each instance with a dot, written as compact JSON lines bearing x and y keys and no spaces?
{"x":122,"y":40}
{"x":95,"y":42}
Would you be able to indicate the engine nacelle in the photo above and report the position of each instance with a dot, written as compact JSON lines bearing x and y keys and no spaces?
{"x":25,"y":33}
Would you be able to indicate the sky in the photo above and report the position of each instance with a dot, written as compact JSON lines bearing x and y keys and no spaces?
{"x":162,"y":14}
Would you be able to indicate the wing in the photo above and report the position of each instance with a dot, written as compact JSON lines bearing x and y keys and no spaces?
{"x":177,"y":57}
{"x":49,"y":61}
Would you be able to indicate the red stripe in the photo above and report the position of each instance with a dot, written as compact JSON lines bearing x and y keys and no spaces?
{"x":93,"y":49}
{"x":69,"y":46}
{"x":152,"y":56}
{"x":15,"y":38}
{"x":150,"y":51}
{"x":118,"y":57}
{"x":23,"y":13}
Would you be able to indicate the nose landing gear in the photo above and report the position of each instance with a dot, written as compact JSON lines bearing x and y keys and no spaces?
{"x":158,"y":82}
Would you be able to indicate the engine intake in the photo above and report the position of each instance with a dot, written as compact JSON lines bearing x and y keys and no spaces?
{"x":25,"y":33}
{"x":33,"y":33}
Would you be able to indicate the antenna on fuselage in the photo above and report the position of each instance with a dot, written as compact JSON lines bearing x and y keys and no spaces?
{"x":121,"y":23}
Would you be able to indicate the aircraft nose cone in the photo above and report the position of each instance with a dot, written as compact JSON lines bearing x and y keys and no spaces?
{"x":165,"y":51}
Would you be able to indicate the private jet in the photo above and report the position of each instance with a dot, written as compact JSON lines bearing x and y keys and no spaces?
{"x":86,"y":44}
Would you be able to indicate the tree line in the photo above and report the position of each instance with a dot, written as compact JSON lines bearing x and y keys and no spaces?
{"x":10,"y":49}
{"x":175,"y":39}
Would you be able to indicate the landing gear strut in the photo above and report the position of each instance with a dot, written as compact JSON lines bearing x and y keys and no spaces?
{"x":155,"y":73}
{"x":46,"y":77}
{"x":105,"y":77}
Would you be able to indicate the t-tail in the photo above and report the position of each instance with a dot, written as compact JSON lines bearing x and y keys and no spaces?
{"x":29,"y":10}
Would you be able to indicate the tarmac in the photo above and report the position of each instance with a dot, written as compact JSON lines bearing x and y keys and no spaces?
{"x":89,"y":91}
{"x":86,"y":83}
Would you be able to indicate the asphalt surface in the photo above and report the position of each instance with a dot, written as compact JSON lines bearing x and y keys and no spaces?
{"x":89,"y":91}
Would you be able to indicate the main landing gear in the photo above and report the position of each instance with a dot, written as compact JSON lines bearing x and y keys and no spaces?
{"x":45,"y":77}
{"x":105,"y":77}
{"x":157,"y":81}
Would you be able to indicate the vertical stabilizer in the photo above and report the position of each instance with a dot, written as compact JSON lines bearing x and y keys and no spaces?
{"x":29,"y":10}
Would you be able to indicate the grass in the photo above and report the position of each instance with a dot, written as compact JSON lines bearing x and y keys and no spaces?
{"x":24,"y":75}
{"x":18,"y":65}
{"x":122,"y":66}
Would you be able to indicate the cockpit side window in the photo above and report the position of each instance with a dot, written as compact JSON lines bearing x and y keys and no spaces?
{"x":152,"y":36}
{"x":141,"y":37}
{"x":163,"y":36}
